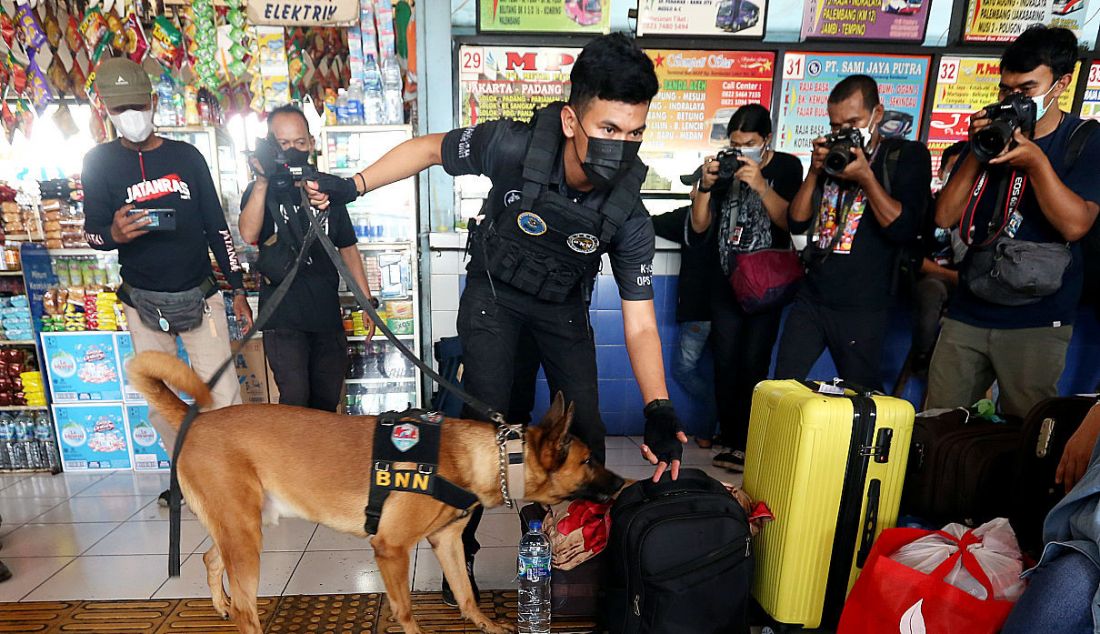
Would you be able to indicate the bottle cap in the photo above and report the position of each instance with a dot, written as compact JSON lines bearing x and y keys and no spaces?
{"x":535,"y":526}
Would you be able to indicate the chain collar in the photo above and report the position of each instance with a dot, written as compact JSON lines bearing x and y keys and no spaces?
{"x":505,"y":433}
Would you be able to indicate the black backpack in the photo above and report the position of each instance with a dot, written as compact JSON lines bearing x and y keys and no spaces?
{"x":679,"y":559}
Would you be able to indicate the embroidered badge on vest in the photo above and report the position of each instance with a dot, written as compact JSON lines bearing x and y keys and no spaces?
{"x":531,"y":223}
{"x":583,"y":243}
{"x":405,"y":436}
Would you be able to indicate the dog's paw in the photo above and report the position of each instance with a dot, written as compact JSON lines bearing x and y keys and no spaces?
{"x":497,"y":628}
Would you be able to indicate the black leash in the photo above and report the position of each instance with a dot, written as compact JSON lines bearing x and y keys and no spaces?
{"x":175,"y":497}
{"x":316,"y":232}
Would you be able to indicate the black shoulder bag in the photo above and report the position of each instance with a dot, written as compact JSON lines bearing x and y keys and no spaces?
{"x":279,"y":252}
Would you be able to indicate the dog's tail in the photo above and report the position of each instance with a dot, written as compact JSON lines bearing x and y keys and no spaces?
{"x":152,"y":373}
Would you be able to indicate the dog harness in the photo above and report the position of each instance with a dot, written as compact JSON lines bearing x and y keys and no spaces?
{"x":411,"y":436}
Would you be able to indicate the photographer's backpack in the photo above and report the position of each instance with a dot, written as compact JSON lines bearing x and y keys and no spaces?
{"x":679,"y":559}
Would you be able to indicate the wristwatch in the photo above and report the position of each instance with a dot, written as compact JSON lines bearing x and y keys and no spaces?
{"x":374,"y":302}
{"x":239,"y":292}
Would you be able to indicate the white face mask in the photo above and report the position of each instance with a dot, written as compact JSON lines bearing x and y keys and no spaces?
{"x":756,"y":154}
{"x":1041,"y":105}
{"x":134,"y":125}
{"x":865,"y":133}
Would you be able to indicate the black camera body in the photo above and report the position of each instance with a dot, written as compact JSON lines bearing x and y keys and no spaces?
{"x":840,"y":145}
{"x":281,"y":172}
{"x":1016,"y":112}
{"x":729,"y":161}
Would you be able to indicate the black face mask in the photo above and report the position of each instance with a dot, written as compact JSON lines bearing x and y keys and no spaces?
{"x":295,"y":157}
{"x":607,"y":160}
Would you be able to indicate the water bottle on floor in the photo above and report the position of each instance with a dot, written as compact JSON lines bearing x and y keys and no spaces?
{"x":47,"y":446}
{"x":534,"y":581}
{"x":24,"y":441}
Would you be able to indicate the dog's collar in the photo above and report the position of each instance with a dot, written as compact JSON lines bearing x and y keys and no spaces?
{"x":513,"y":476}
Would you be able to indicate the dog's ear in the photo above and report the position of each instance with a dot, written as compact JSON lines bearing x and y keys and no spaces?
{"x":555,"y":439}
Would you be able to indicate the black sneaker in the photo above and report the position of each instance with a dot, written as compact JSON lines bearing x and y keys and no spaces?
{"x":5,"y":572}
{"x":162,"y":500}
{"x":732,"y":460}
{"x":449,"y":596}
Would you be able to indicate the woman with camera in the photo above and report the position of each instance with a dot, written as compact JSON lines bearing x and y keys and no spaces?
{"x":740,"y":212}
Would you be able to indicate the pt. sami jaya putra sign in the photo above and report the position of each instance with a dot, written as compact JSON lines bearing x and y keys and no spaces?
{"x":302,"y":12}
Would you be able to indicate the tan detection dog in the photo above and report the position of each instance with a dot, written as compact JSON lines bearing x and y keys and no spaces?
{"x":245,"y":465}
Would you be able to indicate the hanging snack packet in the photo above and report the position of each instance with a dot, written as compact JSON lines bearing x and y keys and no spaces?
{"x":94,"y":29}
{"x":166,"y":45}
{"x":136,"y":42}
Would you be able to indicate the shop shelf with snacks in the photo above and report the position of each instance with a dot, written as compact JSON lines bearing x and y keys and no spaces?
{"x":385,"y":222}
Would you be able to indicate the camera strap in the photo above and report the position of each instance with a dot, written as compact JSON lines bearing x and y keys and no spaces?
{"x":1006,"y":206}
{"x":316,"y":232}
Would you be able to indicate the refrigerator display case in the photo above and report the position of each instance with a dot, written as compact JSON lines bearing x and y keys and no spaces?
{"x":226,"y":165}
{"x":385,"y":220}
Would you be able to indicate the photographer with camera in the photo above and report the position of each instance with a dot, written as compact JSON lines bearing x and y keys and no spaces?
{"x":154,"y":201}
{"x":861,"y":202}
{"x":739,"y":212}
{"x":1024,"y":192}
{"x":304,"y":338}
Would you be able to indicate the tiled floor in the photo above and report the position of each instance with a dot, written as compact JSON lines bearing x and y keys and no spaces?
{"x":75,"y":536}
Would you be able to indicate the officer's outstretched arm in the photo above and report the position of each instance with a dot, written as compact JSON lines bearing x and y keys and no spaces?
{"x":405,"y":160}
{"x":408,"y":159}
{"x":664,"y":437}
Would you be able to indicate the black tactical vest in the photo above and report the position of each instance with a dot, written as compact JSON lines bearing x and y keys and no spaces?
{"x":544,"y":243}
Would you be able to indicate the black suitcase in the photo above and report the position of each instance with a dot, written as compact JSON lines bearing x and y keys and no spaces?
{"x":679,"y":559}
{"x":1046,"y":431}
{"x":959,"y":469}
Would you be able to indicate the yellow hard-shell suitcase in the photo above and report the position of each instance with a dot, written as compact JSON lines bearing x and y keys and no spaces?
{"x":830,"y":463}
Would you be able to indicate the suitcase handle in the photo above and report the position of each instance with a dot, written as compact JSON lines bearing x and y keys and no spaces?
{"x":870,"y":525}
{"x":815,"y":386}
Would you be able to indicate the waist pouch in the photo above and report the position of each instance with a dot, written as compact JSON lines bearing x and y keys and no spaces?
{"x":1013,"y":272}
{"x":176,"y":312}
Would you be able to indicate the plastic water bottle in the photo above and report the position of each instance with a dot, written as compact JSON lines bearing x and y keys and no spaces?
{"x":534,"y":581}
{"x":355,"y":103}
{"x":373,"y":104}
{"x":343,"y":114}
{"x":47,"y":446}
{"x":7,"y":435}
{"x":393,"y":102}
{"x":25,"y":446}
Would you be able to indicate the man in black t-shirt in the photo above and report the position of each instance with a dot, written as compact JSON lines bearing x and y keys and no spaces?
{"x":566,"y":189}
{"x":304,"y":339}
{"x":857,"y":227}
{"x":1022,"y":347}
{"x":143,"y":171}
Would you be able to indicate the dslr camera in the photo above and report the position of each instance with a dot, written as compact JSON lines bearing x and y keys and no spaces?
{"x":840,"y":145}
{"x":729,"y":161}
{"x":280,"y":168}
{"x":1016,"y":112}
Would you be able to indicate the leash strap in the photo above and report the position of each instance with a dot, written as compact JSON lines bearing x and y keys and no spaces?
{"x":175,"y":498}
{"x":476,"y":405}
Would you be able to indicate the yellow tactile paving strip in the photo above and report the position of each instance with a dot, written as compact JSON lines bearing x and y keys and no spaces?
{"x":332,"y":614}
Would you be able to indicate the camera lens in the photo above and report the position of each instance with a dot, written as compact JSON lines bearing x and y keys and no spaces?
{"x":990,"y":141}
{"x":837,"y":159}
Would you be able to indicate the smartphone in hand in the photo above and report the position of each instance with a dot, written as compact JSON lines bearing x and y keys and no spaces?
{"x":160,"y":219}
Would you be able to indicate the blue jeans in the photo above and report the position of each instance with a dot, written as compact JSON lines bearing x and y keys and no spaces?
{"x":1058,"y":599}
{"x":689,"y":372}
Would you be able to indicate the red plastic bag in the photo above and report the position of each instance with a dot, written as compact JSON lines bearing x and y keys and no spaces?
{"x":892,"y":597}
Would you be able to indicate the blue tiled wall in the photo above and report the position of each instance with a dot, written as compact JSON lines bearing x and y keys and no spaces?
{"x":621,"y":401}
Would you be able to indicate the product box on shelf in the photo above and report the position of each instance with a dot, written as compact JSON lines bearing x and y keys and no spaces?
{"x":82,"y":366}
{"x":124,"y":343}
{"x":92,"y":437}
{"x":150,"y":453}
{"x":252,"y":373}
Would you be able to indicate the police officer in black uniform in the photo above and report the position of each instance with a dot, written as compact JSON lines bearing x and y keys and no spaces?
{"x":565,"y":191}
